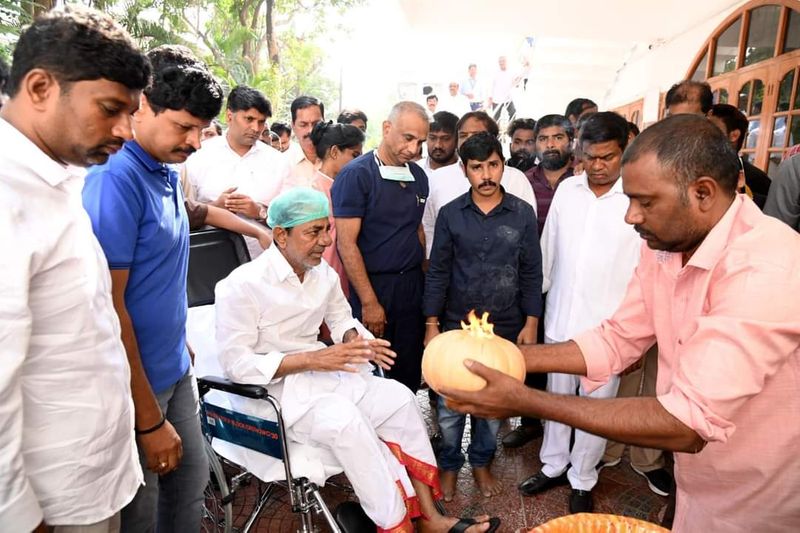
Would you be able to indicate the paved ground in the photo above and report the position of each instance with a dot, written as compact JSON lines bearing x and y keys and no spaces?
{"x":619,"y":491}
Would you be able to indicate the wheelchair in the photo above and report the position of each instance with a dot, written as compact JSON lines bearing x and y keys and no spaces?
{"x":234,"y":438}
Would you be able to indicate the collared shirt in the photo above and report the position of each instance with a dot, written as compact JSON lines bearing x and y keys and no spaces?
{"x":487,"y":262}
{"x":544,"y":192}
{"x":261,"y":174}
{"x":473,"y":86}
{"x":137,"y":212}
{"x":450,"y":182}
{"x":458,"y":104}
{"x":589,"y":253}
{"x":302,"y":171}
{"x":728,"y":331}
{"x":501,"y":86}
{"x":67,"y":447}
{"x":390,"y":213}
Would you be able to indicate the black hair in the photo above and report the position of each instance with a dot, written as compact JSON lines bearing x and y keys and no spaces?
{"x":688,"y":146}
{"x":633,"y":128}
{"x":733,"y":119}
{"x":578,"y":106}
{"x":603,"y":127}
{"x":327,"y":134}
{"x":280,"y":128}
{"x":690,"y":91}
{"x":4,"y":73}
{"x":480,"y":147}
{"x":348,"y":116}
{"x":431,"y":97}
{"x":521,"y":124}
{"x":481,"y":116}
{"x":217,"y":126}
{"x":78,"y":44}
{"x":182,"y":82}
{"x":243,"y":98}
{"x":302,"y":102}
{"x":548,"y":121}
{"x":444,"y":121}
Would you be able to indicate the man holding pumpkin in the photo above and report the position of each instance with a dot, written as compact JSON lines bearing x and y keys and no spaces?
{"x":485,"y":257}
{"x":268,"y":314}
{"x":716,"y":287}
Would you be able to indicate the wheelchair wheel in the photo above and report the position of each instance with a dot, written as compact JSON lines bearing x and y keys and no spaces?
{"x":217,"y":512}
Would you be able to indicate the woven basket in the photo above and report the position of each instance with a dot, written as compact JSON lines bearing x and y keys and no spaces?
{"x":597,"y":523}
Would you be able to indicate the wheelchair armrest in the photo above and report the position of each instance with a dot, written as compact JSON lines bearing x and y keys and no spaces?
{"x":256,"y":392}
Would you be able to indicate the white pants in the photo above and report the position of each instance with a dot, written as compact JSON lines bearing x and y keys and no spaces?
{"x":587,"y":450}
{"x":109,"y":525}
{"x":366,"y":437}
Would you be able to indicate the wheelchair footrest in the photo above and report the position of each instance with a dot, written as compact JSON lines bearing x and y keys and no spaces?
{"x":352,"y":518}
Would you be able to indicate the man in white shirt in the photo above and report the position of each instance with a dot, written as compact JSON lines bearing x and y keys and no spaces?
{"x":589,"y":253}
{"x":236,"y":171}
{"x":454,"y":101}
{"x":472,"y":88}
{"x":67,"y":445}
{"x":450,"y":182}
{"x":500,"y":95}
{"x":307,"y":112}
{"x":268,"y":314}
{"x":441,"y":142}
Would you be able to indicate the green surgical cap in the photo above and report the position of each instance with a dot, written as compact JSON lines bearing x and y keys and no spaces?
{"x":297,"y":206}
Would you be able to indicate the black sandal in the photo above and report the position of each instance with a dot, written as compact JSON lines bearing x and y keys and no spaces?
{"x":465,"y":523}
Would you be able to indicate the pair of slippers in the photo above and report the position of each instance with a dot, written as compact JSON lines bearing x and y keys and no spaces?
{"x":352,"y":519}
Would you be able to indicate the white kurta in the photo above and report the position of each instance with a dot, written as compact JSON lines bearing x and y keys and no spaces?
{"x":264,"y":312}
{"x":260,"y":174}
{"x":448,"y":183}
{"x":589,"y":254}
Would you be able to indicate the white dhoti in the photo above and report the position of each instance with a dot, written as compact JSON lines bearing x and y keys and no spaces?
{"x":587,"y":449}
{"x":381,"y":442}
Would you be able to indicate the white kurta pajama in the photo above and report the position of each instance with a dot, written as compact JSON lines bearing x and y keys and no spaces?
{"x":589,"y":254}
{"x":371,"y":425}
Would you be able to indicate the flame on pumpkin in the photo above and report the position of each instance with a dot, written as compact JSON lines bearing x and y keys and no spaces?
{"x":478,"y":327}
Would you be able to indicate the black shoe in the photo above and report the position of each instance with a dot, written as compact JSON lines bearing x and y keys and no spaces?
{"x":539,"y":483}
{"x":580,"y":501}
{"x":659,"y":480}
{"x":522,"y":435}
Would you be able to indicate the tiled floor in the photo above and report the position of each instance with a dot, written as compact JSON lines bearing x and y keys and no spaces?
{"x":619,"y":491}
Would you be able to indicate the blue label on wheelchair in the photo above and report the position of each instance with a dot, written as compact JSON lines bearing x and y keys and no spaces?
{"x":248,"y":431}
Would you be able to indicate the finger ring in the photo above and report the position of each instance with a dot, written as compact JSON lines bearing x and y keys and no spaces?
{"x":162,"y":465}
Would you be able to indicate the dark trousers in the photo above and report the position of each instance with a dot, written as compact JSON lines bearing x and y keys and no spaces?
{"x":401,"y":298}
{"x":536,"y":380}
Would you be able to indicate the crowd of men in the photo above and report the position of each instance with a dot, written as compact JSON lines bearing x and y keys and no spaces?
{"x":654,"y":302}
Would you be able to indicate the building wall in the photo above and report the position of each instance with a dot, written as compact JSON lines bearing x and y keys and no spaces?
{"x":651,"y":70}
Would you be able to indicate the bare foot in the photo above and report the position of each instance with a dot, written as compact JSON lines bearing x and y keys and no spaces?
{"x":447,"y":479}
{"x":487,"y":483}
{"x":442,"y":524}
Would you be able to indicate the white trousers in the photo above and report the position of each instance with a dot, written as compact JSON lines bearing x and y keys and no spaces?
{"x":587,"y":450}
{"x":366,"y":438}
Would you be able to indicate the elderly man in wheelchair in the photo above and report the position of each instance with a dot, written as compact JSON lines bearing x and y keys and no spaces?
{"x":268,"y":314}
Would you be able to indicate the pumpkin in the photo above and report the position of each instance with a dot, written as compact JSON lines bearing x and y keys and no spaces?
{"x":443,"y":360}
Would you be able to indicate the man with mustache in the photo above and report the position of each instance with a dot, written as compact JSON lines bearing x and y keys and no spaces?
{"x":307,"y":112}
{"x":67,"y":445}
{"x":441,"y":142}
{"x":378,"y":200}
{"x":449,"y":182}
{"x":236,"y":171}
{"x":486,"y":258}
{"x":589,"y":254}
{"x":136,"y":206}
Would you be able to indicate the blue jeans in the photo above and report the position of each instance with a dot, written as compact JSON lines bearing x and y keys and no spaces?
{"x":483,"y":439}
{"x":174,"y":502}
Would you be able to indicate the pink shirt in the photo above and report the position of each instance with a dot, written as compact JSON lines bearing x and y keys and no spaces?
{"x":331,"y":255}
{"x":728,"y":331}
